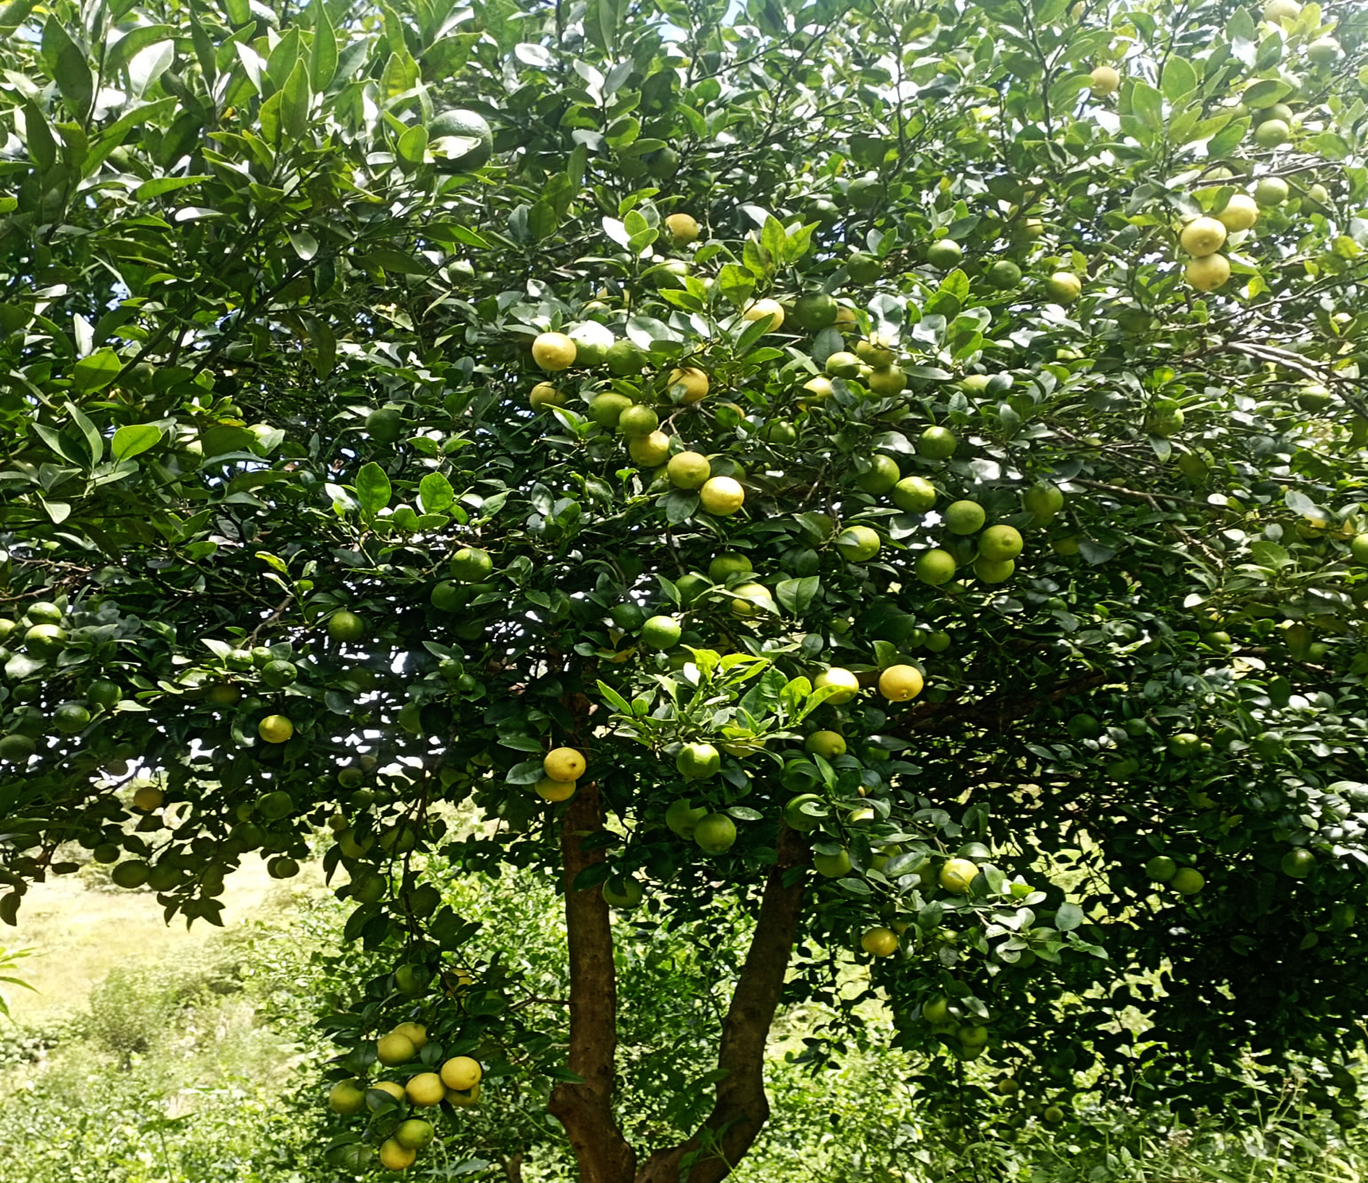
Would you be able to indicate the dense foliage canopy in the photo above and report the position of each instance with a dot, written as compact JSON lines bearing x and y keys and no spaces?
{"x":390,"y":398}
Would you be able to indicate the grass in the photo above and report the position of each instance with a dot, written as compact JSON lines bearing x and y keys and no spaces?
{"x":77,"y":936}
{"x":146,"y":1058}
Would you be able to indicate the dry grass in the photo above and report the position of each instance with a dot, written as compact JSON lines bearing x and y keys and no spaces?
{"x":77,"y":936}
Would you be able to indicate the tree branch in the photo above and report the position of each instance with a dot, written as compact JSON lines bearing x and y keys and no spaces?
{"x":994,"y":713}
{"x":585,"y":1109}
{"x":742,"y":1108}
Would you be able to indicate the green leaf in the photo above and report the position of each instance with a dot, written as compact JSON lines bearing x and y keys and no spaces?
{"x":294,"y":110}
{"x":372,"y":489}
{"x":284,"y":57}
{"x":773,"y":237}
{"x":1147,"y":104}
{"x":602,"y":21}
{"x":305,"y":244}
{"x":161,"y":185}
{"x":614,"y":699}
{"x":42,"y":147}
{"x":96,"y":371}
{"x":1180,"y":79}
{"x":435,"y":493}
{"x":1266,"y":92}
{"x":735,"y":283}
{"x":323,"y":51}
{"x":1227,"y":140}
{"x":796,"y":595}
{"x":69,"y":68}
{"x":134,"y":42}
{"x":269,"y":115}
{"x":401,"y":75}
{"x":133,"y":439}
{"x":15,"y":14}
{"x":1068,"y":917}
{"x":412,"y":146}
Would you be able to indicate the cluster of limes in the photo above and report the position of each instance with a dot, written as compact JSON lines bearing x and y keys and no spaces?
{"x":1271,"y":124}
{"x":965,"y":1032}
{"x":993,"y":554}
{"x":456,"y":1082}
{"x":715,"y":832}
{"x":1271,"y":127}
{"x":563,"y":768}
{"x":40,"y":635}
{"x":1184,"y":880}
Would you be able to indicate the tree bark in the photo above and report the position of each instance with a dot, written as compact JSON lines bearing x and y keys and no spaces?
{"x":742,"y":1106}
{"x":585,"y":1109}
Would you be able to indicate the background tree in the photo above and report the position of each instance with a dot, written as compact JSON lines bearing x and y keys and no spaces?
{"x":613,"y":417}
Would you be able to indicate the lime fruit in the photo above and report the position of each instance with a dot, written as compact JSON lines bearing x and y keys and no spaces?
{"x":730,"y":563}
{"x":857,"y":544}
{"x":461,"y":141}
{"x":722,"y":495}
{"x":697,"y":761}
{"x":715,"y":833}
{"x":998,"y":544}
{"x":461,"y":1073}
{"x":935,"y":567}
{"x":901,"y":683}
{"x":661,"y":632}
{"x":936,"y":443}
{"x":1187,"y":881}
{"x":471,"y":565}
{"x":957,"y":874}
{"x":832,"y":866}
{"x":1161,"y":868}
{"x":681,"y":817}
{"x":914,"y":494}
{"x":827,"y":744}
{"x":688,"y":470}
{"x":965,"y":517}
{"x":944,"y":253}
{"x":881,"y":942}
{"x":275,"y":729}
{"x":845,"y":684}
{"x":563,"y":764}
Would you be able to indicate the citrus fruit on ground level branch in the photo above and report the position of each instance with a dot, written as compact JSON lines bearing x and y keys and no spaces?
{"x":555,"y":790}
{"x":1104,"y":80}
{"x":688,"y":470}
{"x":394,"y":1049}
{"x":957,"y":874}
{"x":661,"y":632}
{"x":770,"y":311}
{"x":858,"y":544}
{"x":715,"y":833}
{"x":827,"y":744}
{"x":395,"y":1156}
{"x":698,"y":760}
{"x":346,"y":626}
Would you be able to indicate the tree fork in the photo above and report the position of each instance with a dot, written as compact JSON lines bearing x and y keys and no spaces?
{"x":585,"y":1108}
{"x":742,"y":1106}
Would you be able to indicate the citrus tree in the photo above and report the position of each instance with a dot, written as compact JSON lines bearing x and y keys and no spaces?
{"x":893,"y":468}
